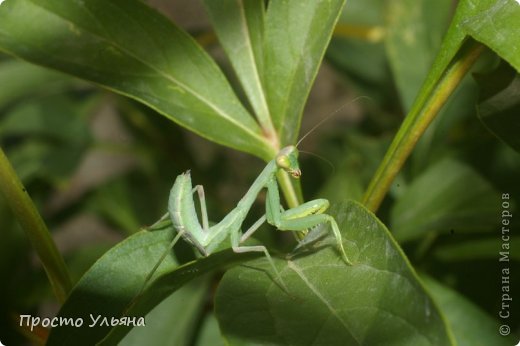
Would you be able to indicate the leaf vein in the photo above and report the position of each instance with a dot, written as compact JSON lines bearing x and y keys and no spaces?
{"x":164,"y":74}
{"x":333,"y":312}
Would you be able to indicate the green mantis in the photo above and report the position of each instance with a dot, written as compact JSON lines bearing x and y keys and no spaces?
{"x":183,"y":214}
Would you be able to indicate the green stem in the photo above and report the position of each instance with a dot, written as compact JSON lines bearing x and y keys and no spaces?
{"x":417,"y":121}
{"x":292,"y":192}
{"x":36,"y":230}
{"x":290,"y":189}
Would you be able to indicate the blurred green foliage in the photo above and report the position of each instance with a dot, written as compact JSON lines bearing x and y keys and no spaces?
{"x":99,"y":166}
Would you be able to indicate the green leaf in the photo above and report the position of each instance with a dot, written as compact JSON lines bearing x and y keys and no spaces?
{"x":496,"y":24}
{"x":479,"y":249}
{"x":83,"y":258}
{"x":113,"y":201}
{"x":210,"y":333}
{"x":499,"y":104}
{"x":174,"y":321}
{"x":296,"y":36}
{"x":129,"y":48}
{"x":364,"y":63}
{"x":376,"y":301}
{"x":365,"y":13}
{"x":240,"y":28}
{"x":172,"y":280}
{"x":13,"y":245}
{"x":110,"y":287}
{"x":454,"y":59}
{"x":467,"y":10}
{"x":51,"y":135}
{"x":28,"y":216}
{"x":28,"y":159}
{"x":58,"y":117}
{"x":414,"y":33}
{"x":359,"y":158}
{"x":357,"y":47}
{"x":447,"y":196}
{"x":470,"y":325}
{"x":23,"y":79}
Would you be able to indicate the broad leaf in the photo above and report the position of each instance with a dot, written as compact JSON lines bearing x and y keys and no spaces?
{"x":357,"y":47}
{"x":210,"y":333}
{"x":470,"y":325}
{"x":240,"y":29}
{"x":448,"y":196}
{"x":23,"y":78}
{"x":376,"y":301}
{"x":414,"y":33}
{"x":499,"y":104}
{"x":468,"y":14}
{"x":496,"y":23}
{"x":113,"y":201}
{"x":472,"y":250}
{"x":174,"y":279}
{"x":296,"y":36}
{"x":51,"y":135}
{"x":174,"y":321}
{"x":359,"y":158}
{"x":58,"y":117}
{"x":455,"y":56}
{"x":110,"y":287}
{"x":131,"y":49}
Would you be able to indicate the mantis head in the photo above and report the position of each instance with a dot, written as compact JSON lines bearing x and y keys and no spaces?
{"x":287,"y":159}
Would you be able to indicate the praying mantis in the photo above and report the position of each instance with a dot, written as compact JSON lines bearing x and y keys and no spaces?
{"x":183,"y":214}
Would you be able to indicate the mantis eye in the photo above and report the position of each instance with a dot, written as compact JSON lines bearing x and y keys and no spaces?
{"x":282,"y":161}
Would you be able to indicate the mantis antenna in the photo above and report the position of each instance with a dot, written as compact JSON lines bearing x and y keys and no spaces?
{"x":319,"y":157}
{"x":331,"y":114}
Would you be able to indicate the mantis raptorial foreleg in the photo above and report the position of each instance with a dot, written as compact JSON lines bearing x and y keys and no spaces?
{"x":302,"y":217}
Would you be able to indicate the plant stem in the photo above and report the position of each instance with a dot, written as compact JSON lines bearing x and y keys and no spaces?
{"x":290,"y":190}
{"x":416,"y":122}
{"x":31,"y":221}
